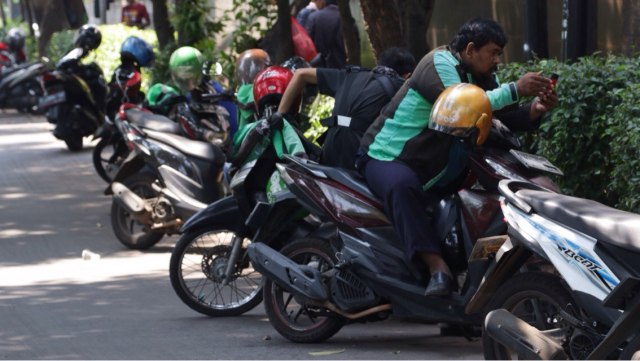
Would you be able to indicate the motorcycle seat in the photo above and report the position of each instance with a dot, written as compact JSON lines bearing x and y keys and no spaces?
{"x":606,"y":224}
{"x":151,"y":121}
{"x":194,"y":148}
{"x":346,"y":177}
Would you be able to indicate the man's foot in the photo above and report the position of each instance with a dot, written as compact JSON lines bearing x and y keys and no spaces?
{"x":440,"y":284}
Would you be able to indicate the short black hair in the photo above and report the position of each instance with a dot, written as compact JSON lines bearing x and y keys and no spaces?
{"x":331,"y":2}
{"x":480,"y":31}
{"x":399,"y":59}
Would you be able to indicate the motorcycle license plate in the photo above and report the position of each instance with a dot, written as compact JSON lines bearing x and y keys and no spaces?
{"x":486,"y":246}
{"x":52,"y":99}
{"x":536,"y":162}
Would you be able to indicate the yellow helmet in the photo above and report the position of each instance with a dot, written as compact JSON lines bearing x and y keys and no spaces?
{"x":462,"y":110}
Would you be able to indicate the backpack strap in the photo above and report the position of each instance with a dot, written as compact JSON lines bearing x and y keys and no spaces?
{"x":386,"y":85}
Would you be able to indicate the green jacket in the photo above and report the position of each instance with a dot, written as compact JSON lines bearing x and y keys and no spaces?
{"x":400,"y":132}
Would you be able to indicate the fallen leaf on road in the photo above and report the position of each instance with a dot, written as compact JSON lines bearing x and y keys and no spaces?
{"x":326,"y":353}
{"x":266,"y":338}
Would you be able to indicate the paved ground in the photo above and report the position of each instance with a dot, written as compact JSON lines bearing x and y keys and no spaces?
{"x":55,"y":305}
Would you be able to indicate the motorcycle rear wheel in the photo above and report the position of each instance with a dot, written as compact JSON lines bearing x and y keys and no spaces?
{"x":130,"y":232}
{"x":534,"y":297}
{"x":296,"y":320}
{"x":197,"y":267}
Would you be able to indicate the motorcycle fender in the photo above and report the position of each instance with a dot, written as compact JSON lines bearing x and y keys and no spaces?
{"x":301,"y":280}
{"x":508,"y":260}
{"x":224,"y":211}
{"x":131,"y":165}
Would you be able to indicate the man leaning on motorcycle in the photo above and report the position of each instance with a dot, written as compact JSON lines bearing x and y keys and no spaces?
{"x":427,"y":162}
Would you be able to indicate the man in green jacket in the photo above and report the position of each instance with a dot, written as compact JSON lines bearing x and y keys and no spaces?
{"x":425,"y":162}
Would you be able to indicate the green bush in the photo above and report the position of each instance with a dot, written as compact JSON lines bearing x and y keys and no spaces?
{"x":108,"y":53}
{"x":591,"y":131}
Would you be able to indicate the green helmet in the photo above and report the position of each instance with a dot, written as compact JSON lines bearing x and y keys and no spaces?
{"x":186,"y":67}
{"x":159,"y":98}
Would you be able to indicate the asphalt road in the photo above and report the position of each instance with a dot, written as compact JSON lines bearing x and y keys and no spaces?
{"x":55,"y":305}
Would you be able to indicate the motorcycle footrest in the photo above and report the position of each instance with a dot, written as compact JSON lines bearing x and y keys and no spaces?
{"x":298,"y":279}
{"x":127,"y":198}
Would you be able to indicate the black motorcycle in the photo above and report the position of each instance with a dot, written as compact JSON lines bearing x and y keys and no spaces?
{"x":75,"y":98}
{"x":20,"y":87}
{"x":314,"y":287}
{"x":209,"y":267}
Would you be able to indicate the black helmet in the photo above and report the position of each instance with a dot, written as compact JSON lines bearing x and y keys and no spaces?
{"x":89,"y":37}
{"x":15,"y":39}
{"x":296,"y":62}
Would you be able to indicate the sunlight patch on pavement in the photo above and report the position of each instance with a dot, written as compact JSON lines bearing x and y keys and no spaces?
{"x":11,"y":233}
{"x":78,"y":271}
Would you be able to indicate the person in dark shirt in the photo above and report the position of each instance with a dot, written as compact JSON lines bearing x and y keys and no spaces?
{"x":360,"y":95}
{"x":325,"y":29}
{"x":303,"y":15}
{"x":135,"y":14}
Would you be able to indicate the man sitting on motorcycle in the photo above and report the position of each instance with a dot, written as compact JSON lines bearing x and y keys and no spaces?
{"x":425,"y":161}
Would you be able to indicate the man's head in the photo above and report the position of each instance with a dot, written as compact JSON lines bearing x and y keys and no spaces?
{"x":321,"y":3}
{"x":480,"y":42}
{"x":398,"y":59}
{"x":131,"y":2}
{"x":330,"y":2}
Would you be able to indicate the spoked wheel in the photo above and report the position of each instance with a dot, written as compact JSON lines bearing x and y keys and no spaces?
{"x":534,"y":297}
{"x":108,"y":156}
{"x":198,"y":268}
{"x":127,"y":229}
{"x":292,"y":317}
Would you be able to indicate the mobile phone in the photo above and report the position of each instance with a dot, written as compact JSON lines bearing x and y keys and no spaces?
{"x":554,"y":79}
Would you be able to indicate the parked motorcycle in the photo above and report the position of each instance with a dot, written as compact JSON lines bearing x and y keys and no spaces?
{"x":314,"y":287}
{"x":200,"y":118}
{"x":20,"y":87}
{"x":124,"y":87}
{"x":76,"y":92}
{"x":209,"y":268}
{"x":164,"y":180}
{"x":565,"y":283}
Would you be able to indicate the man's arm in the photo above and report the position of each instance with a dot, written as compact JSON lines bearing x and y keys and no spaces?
{"x":300,"y":78}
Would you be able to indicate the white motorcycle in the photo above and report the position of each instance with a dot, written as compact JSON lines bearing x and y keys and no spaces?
{"x":566,"y":281}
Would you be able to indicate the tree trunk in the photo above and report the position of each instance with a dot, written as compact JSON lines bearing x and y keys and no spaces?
{"x":631,"y":27}
{"x":277,"y":40}
{"x":416,"y":15}
{"x":48,"y":13}
{"x":350,"y":33}
{"x":382,"y":23}
{"x":161,"y":23}
{"x":398,"y":23}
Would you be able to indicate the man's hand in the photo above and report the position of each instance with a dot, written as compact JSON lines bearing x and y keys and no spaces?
{"x":532,"y":84}
{"x":543,"y":103}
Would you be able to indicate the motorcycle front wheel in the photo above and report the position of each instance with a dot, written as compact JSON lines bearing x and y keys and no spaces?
{"x":107,"y":157}
{"x":74,"y":143}
{"x":535,"y":298}
{"x":129,"y":231}
{"x":197,"y":270}
{"x":293,"y":318}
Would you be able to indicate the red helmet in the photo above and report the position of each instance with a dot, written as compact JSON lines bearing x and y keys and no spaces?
{"x":269,"y":85}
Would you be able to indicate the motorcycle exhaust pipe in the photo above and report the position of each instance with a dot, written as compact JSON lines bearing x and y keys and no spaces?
{"x":301,"y":280}
{"x":128,"y":199}
{"x":527,"y":341}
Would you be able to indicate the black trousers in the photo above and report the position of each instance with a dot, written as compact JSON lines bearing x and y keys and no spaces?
{"x":405,"y":203}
